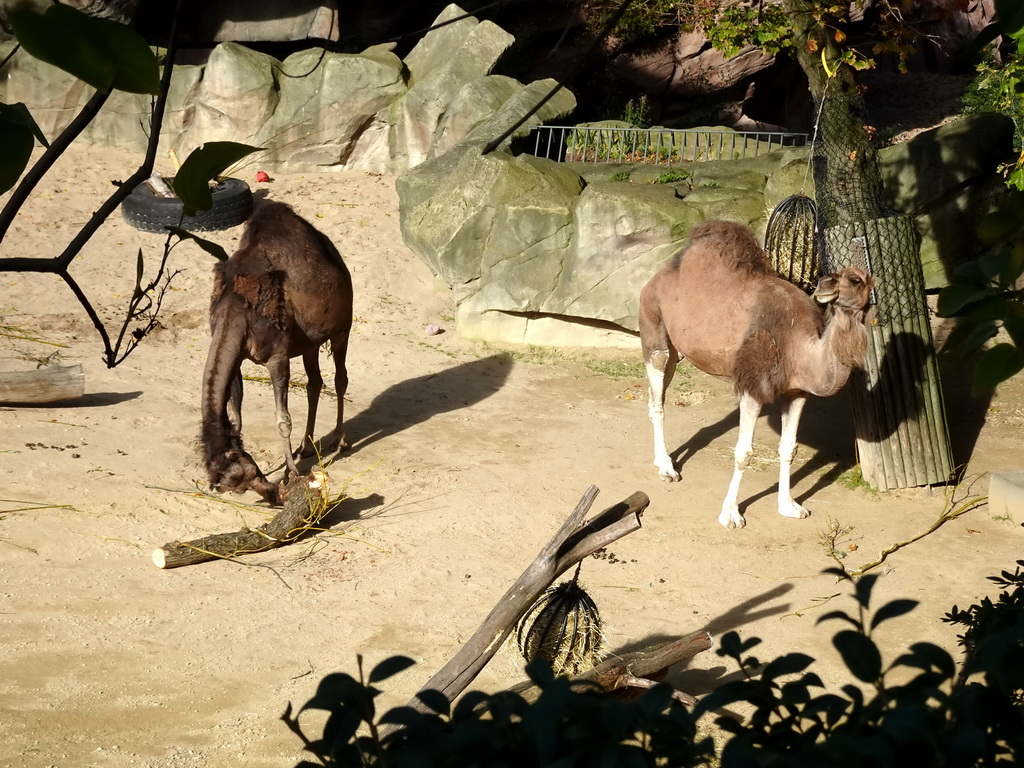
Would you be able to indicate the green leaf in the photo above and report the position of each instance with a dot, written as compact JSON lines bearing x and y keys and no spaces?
{"x":953,"y":298}
{"x":208,"y":162}
{"x":995,"y":366}
{"x":18,"y":114}
{"x":17,"y":143}
{"x":136,"y":69}
{"x":860,"y":654}
{"x":997,"y":226}
{"x":435,"y":701}
{"x":101,"y":52}
{"x":891,"y":610}
{"x":1010,"y":14}
{"x":967,"y":337}
{"x":390,"y":667}
{"x":790,"y":664}
{"x":1014,"y":325}
{"x":209,"y":246}
{"x":334,"y":690}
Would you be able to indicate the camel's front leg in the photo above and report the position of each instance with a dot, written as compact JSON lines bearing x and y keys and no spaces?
{"x":661,"y":366}
{"x":791,"y":410}
{"x":234,"y":405}
{"x":730,"y":516}
{"x":280,"y":372}
{"x":314,"y":386}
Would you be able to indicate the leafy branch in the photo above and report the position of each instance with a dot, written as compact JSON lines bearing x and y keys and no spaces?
{"x":107,"y":56}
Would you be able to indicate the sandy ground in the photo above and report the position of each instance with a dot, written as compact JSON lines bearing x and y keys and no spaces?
{"x":465,"y":460}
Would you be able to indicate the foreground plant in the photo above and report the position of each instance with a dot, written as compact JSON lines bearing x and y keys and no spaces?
{"x":921,"y":709}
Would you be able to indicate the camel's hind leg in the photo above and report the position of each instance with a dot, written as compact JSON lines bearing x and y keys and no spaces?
{"x":661,"y":367}
{"x":280,"y":372}
{"x":750,"y":409}
{"x":339,"y":351}
{"x":314,"y":386}
{"x":791,"y":410}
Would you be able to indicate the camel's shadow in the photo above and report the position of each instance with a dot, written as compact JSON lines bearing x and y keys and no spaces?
{"x":416,"y":400}
{"x":826,"y":434}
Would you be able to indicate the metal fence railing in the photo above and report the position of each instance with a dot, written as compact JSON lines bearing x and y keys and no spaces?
{"x":656,"y":146}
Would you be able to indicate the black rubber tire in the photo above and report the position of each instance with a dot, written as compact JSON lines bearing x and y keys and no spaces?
{"x":232,"y":205}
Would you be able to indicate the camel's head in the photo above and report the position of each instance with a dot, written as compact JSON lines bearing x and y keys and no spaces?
{"x":848,"y":289}
{"x":235,"y":471}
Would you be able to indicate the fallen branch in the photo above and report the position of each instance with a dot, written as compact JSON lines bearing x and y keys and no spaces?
{"x":44,"y":385}
{"x":951,"y":510}
{"x":306,"y":503}
{"x":574,"y":541}
{"x":639,"y":669}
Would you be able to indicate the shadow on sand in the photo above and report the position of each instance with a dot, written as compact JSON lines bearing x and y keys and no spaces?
{"x":416,"y":400}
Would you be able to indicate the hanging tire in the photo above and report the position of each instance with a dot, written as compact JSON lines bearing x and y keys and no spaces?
{"x":232,"y":205}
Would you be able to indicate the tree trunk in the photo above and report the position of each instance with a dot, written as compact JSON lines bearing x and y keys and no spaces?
{"x":899,"y":418}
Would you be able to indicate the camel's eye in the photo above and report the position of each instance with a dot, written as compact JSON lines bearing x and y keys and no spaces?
{"x":855,"y":281}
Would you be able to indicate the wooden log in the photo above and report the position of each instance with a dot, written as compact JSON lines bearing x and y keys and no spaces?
{"x":572,"y":542}
{"x":638,"y":669}
{"x":305,"y":503}
{"x":159,"y":186}
{"x":44,"y":385}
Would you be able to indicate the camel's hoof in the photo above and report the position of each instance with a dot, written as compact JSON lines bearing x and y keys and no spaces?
{"x":793,"y":510}
{"x":731,"y":519}
{"x":667,"y":473}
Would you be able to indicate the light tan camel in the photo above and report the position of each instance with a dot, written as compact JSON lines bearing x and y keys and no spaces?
{"x":722,"y":306}
{"x":283,"y":293}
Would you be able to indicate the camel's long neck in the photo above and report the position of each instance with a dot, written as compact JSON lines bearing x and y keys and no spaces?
{"x":841,"y":347}
{"x":221,"y":362}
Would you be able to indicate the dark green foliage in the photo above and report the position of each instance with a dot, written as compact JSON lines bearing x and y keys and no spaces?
{"x":919,"y":710}
{"x":191,"y":182}
{"x":18,"y":132}
{"x":671,"y":177}
{"x":568,"y":725}
{"x":996,"y":628}
{"x":984,"y":297}
{"x":103,"y":53}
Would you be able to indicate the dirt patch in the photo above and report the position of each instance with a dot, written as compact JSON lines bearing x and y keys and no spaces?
{"x":465,"y":460}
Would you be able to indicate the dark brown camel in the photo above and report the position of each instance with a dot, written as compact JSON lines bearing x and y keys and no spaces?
{"x":722,"y":306}
{"x":283,"y":293}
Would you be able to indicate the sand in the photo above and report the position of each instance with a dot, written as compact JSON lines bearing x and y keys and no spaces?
{"x":466,"y":458}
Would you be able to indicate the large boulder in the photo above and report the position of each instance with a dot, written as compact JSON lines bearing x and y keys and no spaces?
{"x":316,"y":110}
{"x":556,"y":253}
{"x":945,"y":179}
{"x":457,"y":52}
{"x":326,"y":115}
{"x":237,"y":94}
